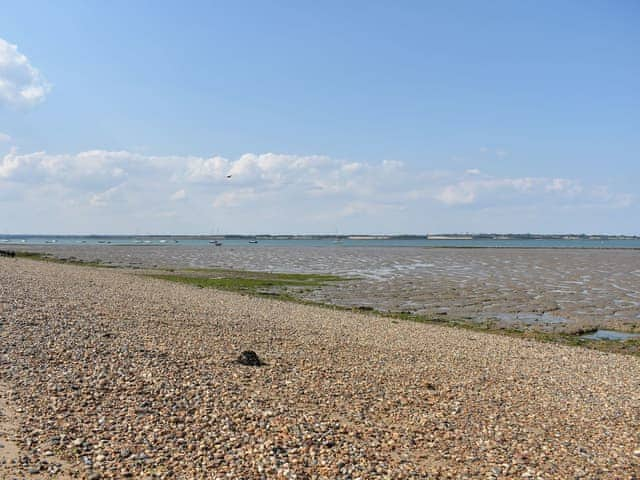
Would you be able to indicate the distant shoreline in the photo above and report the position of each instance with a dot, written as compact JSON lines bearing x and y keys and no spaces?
{"x":439,"y":236}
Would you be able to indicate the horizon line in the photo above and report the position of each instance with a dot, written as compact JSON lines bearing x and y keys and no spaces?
{"x":330,"y":234}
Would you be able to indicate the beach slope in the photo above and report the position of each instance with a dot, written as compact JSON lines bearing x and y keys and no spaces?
{"x":114,"y":375}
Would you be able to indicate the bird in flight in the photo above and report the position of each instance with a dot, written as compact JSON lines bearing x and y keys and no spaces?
{"x":228,"y":176}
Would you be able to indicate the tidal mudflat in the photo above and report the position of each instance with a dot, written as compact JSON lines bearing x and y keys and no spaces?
{"x":548,"y":290}
{"x":107,"y":374}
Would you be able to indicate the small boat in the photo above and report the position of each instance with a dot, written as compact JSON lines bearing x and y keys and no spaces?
{"x":253,"y":241}
{"x":215,"y":242}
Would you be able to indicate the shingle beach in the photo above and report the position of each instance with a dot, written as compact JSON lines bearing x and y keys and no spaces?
{"x":106,"y":374}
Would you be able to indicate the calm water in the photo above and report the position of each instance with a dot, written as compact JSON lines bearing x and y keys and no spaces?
{"x":610,"y":335}
{"x":156,"y":241}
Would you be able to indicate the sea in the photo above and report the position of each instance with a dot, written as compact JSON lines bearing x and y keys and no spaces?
{"x":191,"y":241}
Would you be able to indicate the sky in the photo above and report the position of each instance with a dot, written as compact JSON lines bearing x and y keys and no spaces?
{"x":319,"y":117}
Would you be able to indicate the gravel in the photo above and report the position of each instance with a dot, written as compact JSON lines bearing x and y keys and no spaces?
{"x":120,"y":376}
{"x":552,"y":290}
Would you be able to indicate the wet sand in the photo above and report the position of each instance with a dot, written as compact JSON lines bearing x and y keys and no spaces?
{"x":126,"y":376}
{"x":554,"y":290}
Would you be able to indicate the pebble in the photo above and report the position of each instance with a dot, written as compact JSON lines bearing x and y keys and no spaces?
{"x":250,"y":358}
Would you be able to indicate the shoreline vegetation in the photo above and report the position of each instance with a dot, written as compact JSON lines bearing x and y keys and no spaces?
{"x":289,"y":287}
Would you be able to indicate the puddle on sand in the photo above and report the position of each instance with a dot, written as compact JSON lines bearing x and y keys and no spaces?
{"x":609,"y":335}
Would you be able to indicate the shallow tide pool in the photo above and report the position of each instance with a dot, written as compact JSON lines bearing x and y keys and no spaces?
{"x":609,"y":335}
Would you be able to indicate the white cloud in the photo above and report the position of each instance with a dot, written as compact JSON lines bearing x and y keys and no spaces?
{"x":563,"y":185}
{"x":234,"y":198}
{"x":470,"y":190}
{"x":92,"y":169}
{"x":604,"y":194}
{"x":207,"y":169}
{"x":21,"y":84}
{"x":460,"y":194}
{"x":102,"y":199}
{"x":272,"y":192}
{"x":178,"y":195}
{"x":167,"y":214}
{"x":275,"y":169}
{"x":4,"y":137}
{"x":266,"y":168}
{"x":370,"y":208}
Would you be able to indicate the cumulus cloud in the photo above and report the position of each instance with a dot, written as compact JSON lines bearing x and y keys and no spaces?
{"x":102,"y":199}
{"x":207,"y":169}
{"x":4,"y":137}
{"x":21,"y":84}
{"x":563,"y":185}
{"x":234,"y":198}
{"x":85,"y":170}
{"x":602,"y":193}
{"x":178,"y":195}
{"x":472,"y":189}
{"x":460,"y":194}
{"x":265,"y":169}
{"x":368,"y":208}
{"x":265,"y":192}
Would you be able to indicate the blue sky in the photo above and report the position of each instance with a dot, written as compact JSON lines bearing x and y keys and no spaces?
{"x":352,"y":116}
